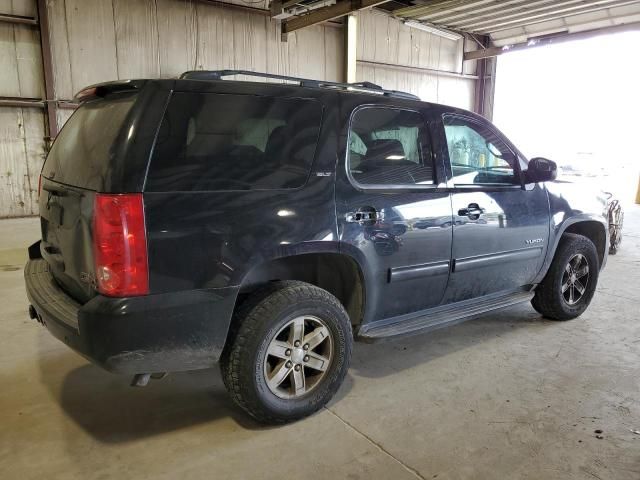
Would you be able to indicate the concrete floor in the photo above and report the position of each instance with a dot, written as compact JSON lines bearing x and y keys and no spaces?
{"x":508,"y":395}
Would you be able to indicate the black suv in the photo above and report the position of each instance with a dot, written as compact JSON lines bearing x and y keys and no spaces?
{"x":264,"y":225}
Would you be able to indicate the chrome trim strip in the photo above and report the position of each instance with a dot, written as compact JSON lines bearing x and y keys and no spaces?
{"x":418,"y":271}
{"x":469,"y":263}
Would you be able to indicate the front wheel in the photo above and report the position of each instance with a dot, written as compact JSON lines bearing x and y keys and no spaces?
{"x":288,"y":351}
{"x":570,"y":283}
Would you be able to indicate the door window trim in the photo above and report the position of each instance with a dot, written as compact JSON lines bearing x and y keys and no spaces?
{"x":481,"y":186}
{"x":393,"y":187}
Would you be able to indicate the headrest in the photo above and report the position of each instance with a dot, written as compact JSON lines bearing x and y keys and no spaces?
{"x":386,"y":150}
{"x":278,"y":145}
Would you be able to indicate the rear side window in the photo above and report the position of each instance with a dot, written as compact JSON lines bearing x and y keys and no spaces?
{"x":84,"y":149}
{"x":389,"y":146}
{"x":211,"y":141}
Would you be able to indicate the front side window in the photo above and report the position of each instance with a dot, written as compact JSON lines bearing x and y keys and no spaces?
{"x":477,"y":154}
{"x":389,"y":147}
{"x":211,"y":141}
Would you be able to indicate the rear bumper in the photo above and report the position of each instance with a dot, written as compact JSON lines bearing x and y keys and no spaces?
{"x":153,"y":333}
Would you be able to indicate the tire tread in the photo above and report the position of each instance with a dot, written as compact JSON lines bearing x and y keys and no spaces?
{"x":547,"y":299}
{"x":247,"y":318}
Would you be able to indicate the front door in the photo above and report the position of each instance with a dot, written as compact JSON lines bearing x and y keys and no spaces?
{"x":501,"y":227}
{"x":392,"y":213}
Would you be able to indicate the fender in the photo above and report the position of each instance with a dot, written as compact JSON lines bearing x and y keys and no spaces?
{"x":559,"y":225}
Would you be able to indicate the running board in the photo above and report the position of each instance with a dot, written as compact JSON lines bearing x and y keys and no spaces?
{"x":440,"y":317}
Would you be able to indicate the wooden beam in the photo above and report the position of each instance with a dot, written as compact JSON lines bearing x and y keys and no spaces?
{"x":549,"y":40}
{"x":339,"y":9}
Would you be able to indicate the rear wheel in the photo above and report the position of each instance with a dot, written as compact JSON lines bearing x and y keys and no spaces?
{"x":570,"y":283}
{"x":288,"y":352}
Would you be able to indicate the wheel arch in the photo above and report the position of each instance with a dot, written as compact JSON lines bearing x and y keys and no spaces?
{"x":592,"y":227}
{"x":338,"y":273}
{"x":594,"y":231}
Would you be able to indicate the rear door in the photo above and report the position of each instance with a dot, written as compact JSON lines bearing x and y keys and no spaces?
{"x":501,"y":226}
{"x":392,"y":212}
{"x":88,"y":156}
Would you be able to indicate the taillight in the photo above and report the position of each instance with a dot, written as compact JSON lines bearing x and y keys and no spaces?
{"x":120,"y":245}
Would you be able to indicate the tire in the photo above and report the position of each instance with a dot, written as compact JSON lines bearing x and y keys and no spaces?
{"x":616,"y":220}
{"x":268,"y":321}
{"x":552,"y":299}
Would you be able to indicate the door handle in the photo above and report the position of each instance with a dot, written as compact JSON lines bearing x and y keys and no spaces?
{"x":364,"y":216}
{"x":473,"y":211}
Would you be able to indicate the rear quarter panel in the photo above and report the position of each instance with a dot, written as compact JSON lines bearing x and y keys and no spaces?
{"x":212,"y":239}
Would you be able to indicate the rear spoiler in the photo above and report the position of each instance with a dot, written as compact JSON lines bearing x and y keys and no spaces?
{"x":103,"y":89}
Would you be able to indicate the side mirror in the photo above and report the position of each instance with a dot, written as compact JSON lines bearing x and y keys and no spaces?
{"x":541,"y":170}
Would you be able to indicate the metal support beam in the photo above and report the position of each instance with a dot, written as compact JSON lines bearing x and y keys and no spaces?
{"x":480,"y":86}
{"x":481,"y":82}
{"x":549,"y":40}
{"x":19,"y":19}
{"x":47,"y":66}
{"x":435,"y":7}
{"x":21,"y":102}
{"x":422,"y":70}
{"x":339,"y":9}
{"x":240,"y":8}
{"x":350,"y":50}
{"x":29,"y":102}
{"x":67,"y":105}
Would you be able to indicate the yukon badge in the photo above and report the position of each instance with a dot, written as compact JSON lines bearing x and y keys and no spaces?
{"x":533,"y":241}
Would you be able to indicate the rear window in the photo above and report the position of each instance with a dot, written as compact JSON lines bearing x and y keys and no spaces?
{"x":83,"y":150}
{"x":211,"y":141}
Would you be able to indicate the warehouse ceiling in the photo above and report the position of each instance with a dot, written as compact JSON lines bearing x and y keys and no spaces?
{"x":514,"y":21}
{"x":505,"y":22}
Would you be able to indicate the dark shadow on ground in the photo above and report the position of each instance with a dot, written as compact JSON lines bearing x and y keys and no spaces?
{"x":388,"y":357}
{"x":111,"y":411}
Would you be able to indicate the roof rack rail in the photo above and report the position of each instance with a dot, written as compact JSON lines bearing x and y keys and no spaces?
{"x":303,"y":82}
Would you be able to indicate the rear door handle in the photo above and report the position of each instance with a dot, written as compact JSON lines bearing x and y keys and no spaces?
{"x":473,"y":211}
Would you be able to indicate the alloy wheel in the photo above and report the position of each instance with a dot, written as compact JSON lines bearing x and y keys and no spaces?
{"x":298,"y":357}
{"x":575,"y":279}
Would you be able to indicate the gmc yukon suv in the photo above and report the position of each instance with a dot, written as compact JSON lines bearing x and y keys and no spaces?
{"x":264,"y":226}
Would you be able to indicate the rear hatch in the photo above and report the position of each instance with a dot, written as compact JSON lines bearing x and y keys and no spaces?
{"x":87,"y":155}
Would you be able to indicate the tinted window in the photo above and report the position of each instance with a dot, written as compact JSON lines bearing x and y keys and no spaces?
{"x":477,"y":154}
{"x":389,"y":147}
{"x":213,"y":141}
{"x":84,"y":149}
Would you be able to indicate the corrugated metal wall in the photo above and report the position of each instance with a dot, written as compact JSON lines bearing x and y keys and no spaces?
{"x":384,"y":42}
{"x":99,"y":40}
{"x":21,"y":129}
